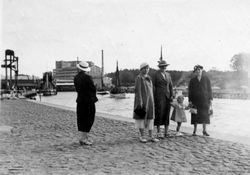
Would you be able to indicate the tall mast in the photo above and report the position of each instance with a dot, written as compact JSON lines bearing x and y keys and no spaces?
{"x":161,"y":54}
{"x":102,"y":84}
{"x":117,"y":82}
{"x":47,"y":80}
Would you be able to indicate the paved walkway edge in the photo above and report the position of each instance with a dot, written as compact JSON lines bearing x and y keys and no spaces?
{"x":216,"y":135}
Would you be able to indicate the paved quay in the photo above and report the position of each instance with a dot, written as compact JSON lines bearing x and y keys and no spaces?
{"x":43,"y":141}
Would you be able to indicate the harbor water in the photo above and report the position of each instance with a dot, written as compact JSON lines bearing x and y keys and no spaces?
{"x":231,"y":116}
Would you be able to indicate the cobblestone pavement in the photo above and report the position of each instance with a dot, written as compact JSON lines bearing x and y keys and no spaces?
{"x":44,"y":141}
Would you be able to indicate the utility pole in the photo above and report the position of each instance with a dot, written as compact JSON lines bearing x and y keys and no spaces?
{"x":16,"y":73}
{"x":77,"y":61}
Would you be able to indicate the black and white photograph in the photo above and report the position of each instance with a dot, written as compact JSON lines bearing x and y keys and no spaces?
{"x":124,"y":87}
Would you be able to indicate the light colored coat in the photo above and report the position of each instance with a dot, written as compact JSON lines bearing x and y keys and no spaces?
{"x":144,"y":96}
{"x":178,"y":114}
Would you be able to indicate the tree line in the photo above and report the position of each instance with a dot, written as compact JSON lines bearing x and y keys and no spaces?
{"x":234,"y":79}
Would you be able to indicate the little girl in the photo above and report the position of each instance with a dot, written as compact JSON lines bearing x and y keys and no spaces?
{"x":178,"y":114}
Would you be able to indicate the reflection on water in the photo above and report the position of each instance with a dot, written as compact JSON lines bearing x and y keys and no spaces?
{"x":230,"y":116}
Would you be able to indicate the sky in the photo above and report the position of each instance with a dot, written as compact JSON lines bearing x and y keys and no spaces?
{"x":207,"y":32}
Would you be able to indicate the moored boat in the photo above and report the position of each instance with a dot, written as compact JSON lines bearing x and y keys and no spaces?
{"x":29,"y":94}
{"x":116,"y":92}
{"x":102,"y":92}
{"x":48,"y":87}
{"x":48,"y":92}
{"x":119,"y":95}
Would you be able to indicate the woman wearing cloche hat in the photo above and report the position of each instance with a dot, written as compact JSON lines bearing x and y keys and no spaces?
{"x":200,"y":96}
{"x":144,"y":113}
{"x":86,"y":98}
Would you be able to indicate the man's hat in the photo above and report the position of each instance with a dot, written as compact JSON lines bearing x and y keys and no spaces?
{"x":84,"y":66}
{"x":162,"y":63}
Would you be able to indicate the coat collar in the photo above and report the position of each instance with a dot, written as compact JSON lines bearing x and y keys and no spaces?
{"x":162,"y":76}
{"x":145,"y":77}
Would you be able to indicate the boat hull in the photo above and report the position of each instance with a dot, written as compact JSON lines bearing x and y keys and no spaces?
{"x":119,"y":96}
{"x":102,"y":92}
{"x":49,"y":92}
{"x":29,"y":94}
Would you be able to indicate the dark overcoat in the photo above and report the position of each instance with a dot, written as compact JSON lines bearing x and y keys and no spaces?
{"x":163,"y":86}
{"x":86,"y":98}
{"x":163,"y":93}
{"x":200,"y":94}
{"x":85,"y":88}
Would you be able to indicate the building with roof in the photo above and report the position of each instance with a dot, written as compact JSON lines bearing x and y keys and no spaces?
{"x":65,"y":72}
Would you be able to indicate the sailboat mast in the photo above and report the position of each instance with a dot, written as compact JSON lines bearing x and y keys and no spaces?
{"x":161,"y":54}
{"x":117,"y":82}
{"x":102,"y":84}
{"x":47,"y":80}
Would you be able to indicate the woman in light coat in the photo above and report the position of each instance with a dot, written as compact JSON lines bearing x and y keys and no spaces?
{"x":144,"y":100}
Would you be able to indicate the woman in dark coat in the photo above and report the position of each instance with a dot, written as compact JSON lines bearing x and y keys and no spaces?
{"x":200,"y":97}
{"x":86,"y":98}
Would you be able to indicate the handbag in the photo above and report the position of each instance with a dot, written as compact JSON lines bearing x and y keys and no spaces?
{"x":193,"y":110}
{"x":140,"y":112}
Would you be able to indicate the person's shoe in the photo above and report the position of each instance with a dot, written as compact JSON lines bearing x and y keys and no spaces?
{"x":167,"y":135}
{"x":205,"y":133}
{"x":153,"y":139}
{"x":85,"y":142}
{"x":142,"y":140}
{"x":178,"y":134}
{"x":159,"y":136}
{"x":194,"y":134}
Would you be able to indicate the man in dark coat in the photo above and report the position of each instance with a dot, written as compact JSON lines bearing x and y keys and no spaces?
{"x":163,"y":94}
{"x":200,"y":97}
{"x":86,"y":98}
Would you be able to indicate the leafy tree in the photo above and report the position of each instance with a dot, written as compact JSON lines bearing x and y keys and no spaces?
{"x":127,"y":77}
{"x":240,"y":62}
{"x":222,"y":79}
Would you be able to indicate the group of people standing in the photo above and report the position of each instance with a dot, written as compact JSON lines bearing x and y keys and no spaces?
{"x":154,"y":97}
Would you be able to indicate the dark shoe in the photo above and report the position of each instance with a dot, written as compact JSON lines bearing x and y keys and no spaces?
{"x":205,"y":133}
{"x":85,"y":142}
{"x":194,"y":134}
{"x":160,"y":136}
{"x":166,"y":135}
